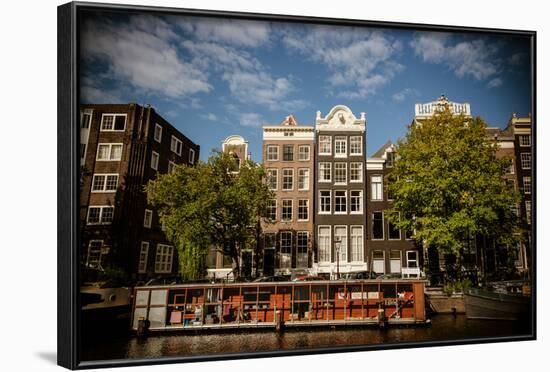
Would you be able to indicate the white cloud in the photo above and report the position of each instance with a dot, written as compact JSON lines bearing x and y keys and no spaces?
{"x":143,"y":54}
{"x":476,"y":58}
{"x":92,"y":94}
{"x":359,"y":61}
{"x":250,"y":119}
{"x":404,"y":93}
{"x":495,"y":83}
{"x":243,"y":33}
{"x":210,"y":116}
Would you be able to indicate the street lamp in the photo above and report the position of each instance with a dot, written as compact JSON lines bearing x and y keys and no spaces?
{"x":337,"y":242}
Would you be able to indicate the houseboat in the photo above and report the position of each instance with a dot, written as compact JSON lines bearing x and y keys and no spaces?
{"x":278,"y":304}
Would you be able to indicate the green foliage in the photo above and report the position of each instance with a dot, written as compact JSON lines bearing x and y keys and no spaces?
{"x":456,"y":286}
{"x":448,"y":184}
{"x":210,"y":204}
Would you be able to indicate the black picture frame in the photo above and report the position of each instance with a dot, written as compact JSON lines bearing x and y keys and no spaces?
{"x":68,"y":179}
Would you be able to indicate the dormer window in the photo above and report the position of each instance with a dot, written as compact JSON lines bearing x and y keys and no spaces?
{"x":390,"y":159}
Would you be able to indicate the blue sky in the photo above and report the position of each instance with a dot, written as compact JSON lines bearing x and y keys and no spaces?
{"x":212,"y":77}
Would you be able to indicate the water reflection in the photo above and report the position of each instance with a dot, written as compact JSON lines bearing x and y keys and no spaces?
{"x":180,"y":344}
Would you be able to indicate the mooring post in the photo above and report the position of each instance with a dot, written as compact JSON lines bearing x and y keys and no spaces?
{"x":279,"y":322}
{"x":143,"y":327}
{"x":381,"y":318}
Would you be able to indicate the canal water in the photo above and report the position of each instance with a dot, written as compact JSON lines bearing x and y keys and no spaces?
{"x":442,"y":328}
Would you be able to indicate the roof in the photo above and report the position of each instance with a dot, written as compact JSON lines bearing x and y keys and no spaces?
{"x":382,"y":150}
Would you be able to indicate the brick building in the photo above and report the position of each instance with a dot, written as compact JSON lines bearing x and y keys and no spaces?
{"x":122,"y":147}
{"x":288,"y":159}
{"x":388,"y":249}
{"x":340,"y":192}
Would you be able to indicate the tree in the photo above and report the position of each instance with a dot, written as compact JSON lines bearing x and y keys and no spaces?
{"x":448,"y":185}
{"x":212,"y":204}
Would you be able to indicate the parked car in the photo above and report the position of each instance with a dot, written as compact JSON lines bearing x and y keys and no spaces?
{"x":271,"y":278}
{"x":357,"y":275}
{"x":308,"y":278}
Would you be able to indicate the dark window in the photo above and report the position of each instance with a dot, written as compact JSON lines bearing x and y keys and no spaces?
{"x":390,"y":160}
{"x":394,"y":232}
{"x":288,"y":152}
{"x":120,"y":122}
{"x":377,"y":225}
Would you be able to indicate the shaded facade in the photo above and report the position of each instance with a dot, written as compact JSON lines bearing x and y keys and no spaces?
{"x":122,"y":147}
{"x":220,"y":266}
{"x":288,"y":158}
{"x":389,"y":249}
{"x":340,"y":193}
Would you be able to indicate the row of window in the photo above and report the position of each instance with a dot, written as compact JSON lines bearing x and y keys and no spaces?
{"x":287,"y":210}
{"x":272,"y":153}
{"x":341,"y":146}
{"x":287,"y":244}
{"x":288,"y":179}
{"x":340,"y":175}
{"x":164,"y":256}
{"x":155,"y":158}
{"x":356,"y":251}
{"x":339,"y":203}
{"x":340,"y":240}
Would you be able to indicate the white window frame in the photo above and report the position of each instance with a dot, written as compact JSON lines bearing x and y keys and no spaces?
{"x":101,"y":209}
{"x":158,"y":137}
{"x":104,"y":188}
{"x":360,"y":211}
{"x":291,"y":146}
{"x":283,"y":209}
{"x":166,"y":258}
{"x":285,"y":257}
{"x":291,"y":179}
{"x":269,"y":207}
{"x":301,"y":253}
{"x":409,"y":260}
{"x":322,"y":139}
{"x":528,"y":211}
{"x":357,"y":241}
{"x":372,"y":226}
{"x":270,"y":178}
{"x":354,"y":139}
{"x":328,"y":249}
{"x":525,"y":158}
{"x":400,"y":260}
{"x":191,"y":156}
{"x":155,"y":163}
{"x":329,"y":199}
{"x":111,"y":145}
{"x":98,"y":264}
{"x":390,"y":164}
{"x":383,"y":259}
{"x":527,"y":185}
{"x":114,"y":115}
{"x":323,"y":171}
{"x":171,"y":167}
{"x":143,"y":257}
{"x":377,"y":188}
{"x":345,"y":201}
{"x":343,"y":242}
{"x":351,"y":165}
{"x":345,"y":169}
{"x":307,"y":210}
{"x":148,"y":221}
{"x":174,"y":142}
{"x":269,"y":154}
{"x":523,"y":143}
{"x":340,"y":140}
{"x":89,"y":115}
{"x":300,"y":152}
{"x":305,"y":177}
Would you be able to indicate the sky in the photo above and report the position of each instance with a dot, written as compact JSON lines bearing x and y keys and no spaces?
{"x":212,"y":78}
